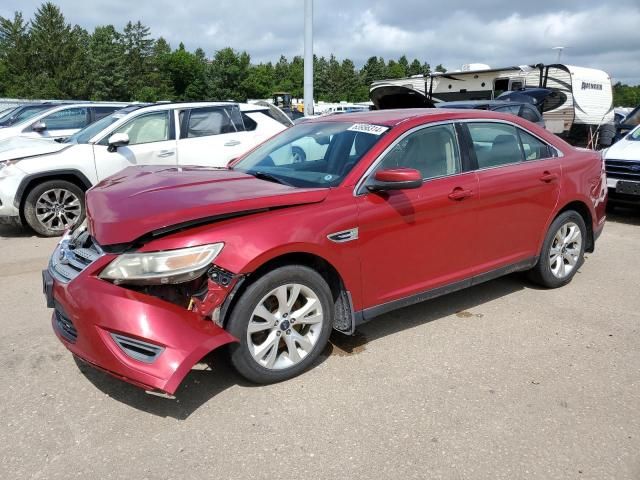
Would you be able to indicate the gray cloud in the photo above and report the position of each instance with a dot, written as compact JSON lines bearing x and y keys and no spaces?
{"x":496,"y":32}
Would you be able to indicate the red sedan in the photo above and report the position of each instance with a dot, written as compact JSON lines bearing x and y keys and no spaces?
{"x":325,"y":226}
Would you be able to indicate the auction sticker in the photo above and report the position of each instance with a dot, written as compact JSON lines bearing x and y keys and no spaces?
{"x":368,"y":128}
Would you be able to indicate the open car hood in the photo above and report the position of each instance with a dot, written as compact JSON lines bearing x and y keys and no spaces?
{"x":385,"y":97}
{"x":24,"y":147}
{"x":150,"y":201}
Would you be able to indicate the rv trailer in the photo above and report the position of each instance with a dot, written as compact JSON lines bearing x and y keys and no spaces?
{"x":577,"y":102}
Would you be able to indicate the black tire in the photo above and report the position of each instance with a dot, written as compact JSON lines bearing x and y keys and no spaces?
{"x":542,"y":273}
{"x":298,"y":155}
{"x":240,"y":356}
{"x":57,"y":226}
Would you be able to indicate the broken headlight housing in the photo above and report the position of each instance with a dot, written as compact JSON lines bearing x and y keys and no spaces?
{"x":161,"y":268}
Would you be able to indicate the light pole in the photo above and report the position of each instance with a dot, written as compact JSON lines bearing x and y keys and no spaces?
{"x":559,"y":49}
{"x":308,"y":57}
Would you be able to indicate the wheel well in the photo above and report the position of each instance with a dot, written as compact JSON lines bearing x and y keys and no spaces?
{"x":343,"y":319}
{"x":31,"y":183}
{"x":583,"y":211}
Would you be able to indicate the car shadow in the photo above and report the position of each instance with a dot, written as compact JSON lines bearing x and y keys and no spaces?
{"x":15,"y":231}
{"x":212,"y":376}
{"x":202,"y":385}
{"x":623,"y":214}
{"x":465,"y":303}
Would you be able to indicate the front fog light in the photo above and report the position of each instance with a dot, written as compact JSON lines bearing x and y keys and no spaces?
{"x":153,"y":268}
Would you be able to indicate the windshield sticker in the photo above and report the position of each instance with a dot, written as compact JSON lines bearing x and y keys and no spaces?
{"x":368,"y":128}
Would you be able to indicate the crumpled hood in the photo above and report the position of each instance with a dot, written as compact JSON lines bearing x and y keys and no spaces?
{"x":141,"y":200}
{"x":21,"y":147}
{"x":624,"y":150}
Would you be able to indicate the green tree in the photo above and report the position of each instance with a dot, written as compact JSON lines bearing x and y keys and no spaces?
{"x":14,"y":38}
{"x":107,"y":77}
{"x":227,"y":74}
{"x":187,"y":73}
{"x":138,"y":50}
{"x":260,"y":81}
{"x":57,"y":55}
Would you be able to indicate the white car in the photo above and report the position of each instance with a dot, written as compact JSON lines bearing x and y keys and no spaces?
{"x":622,"y":163}
{"x":42,"y":183}
{"x":60,"y":121}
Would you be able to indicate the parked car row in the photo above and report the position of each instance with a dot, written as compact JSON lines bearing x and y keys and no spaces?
{"x":42,"y":183}
{"x":270,"y":254}
{"x":54,"y":121}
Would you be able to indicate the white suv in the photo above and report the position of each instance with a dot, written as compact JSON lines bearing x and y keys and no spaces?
{"x":42,"y":183}
{"x":60,"y":121}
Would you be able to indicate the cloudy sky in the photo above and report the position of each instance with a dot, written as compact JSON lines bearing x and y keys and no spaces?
{"x":598,"y":34}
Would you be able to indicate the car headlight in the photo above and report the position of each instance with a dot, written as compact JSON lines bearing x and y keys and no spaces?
{"x":167,"y":267}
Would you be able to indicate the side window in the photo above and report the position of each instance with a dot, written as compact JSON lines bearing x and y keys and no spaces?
{"x":205,"y":122}
{"x":101,"y":112}
{"x":67,"y":119}
{"x":528,"y":113}
{"x":432,"y":150}
{"x":495,"y":144}
{"x":249,"y":123}
{"x":534,"y":149}
{"x":148,"y":128}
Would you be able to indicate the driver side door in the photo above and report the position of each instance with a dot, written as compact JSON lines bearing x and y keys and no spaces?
{"x":151,"y":142}
{"x":417,"y":240}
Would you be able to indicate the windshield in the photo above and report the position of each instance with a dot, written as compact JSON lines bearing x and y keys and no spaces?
{"x":90,"y":131}
{"x":5,"y":114}
{"x":19,"y":114}
{"x":314,"y":154}
{"x":634,"y":135}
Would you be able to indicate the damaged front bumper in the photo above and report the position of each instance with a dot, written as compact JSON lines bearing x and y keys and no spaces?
{"x":136,"y":337}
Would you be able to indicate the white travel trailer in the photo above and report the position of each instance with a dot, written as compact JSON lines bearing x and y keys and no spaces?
{"x":576,"y":102}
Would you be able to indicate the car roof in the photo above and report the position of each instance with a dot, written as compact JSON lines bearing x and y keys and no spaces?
{"x":169,"y":105}
{"x":394,"y":117}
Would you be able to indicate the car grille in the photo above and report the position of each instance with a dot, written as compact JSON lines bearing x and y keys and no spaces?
{"x":623,"y":169}
{"x":73,"y":255}
{"x":64,"y":325}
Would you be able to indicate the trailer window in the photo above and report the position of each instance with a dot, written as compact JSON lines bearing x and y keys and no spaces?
{"x":553,"y":101}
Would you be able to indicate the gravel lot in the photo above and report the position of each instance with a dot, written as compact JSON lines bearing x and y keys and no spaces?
{"x":499,"y":381}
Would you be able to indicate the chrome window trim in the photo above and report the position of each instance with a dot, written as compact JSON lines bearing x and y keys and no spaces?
{"x":385,"y":152}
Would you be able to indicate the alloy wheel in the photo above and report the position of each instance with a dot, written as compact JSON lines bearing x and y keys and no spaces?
{"x":565,"y":250}
{"x":57,"y":209}
{"x":285,"y":326}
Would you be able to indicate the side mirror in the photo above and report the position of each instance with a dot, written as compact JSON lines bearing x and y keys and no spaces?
{"x":39,"y":127}
{"x":118,"y":140}
{"x":395,"y":179}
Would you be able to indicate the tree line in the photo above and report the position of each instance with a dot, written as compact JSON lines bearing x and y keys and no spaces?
{"x":46,"y":57}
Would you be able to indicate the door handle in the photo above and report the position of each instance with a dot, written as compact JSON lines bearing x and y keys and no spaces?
{"x":232,"y":143}
{"x":548,"y":177}
{"x":460,"y":194}
{"x":166,"y":153}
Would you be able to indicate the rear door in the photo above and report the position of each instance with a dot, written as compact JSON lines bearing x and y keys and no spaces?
{"x":152,"y":141}
{"x":211,"y":136}
{"x":519,"y":184}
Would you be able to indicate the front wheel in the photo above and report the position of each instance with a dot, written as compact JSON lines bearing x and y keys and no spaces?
{"x":282,"y":321}
{"x":562,"y":251}
{"x":53,"y":206}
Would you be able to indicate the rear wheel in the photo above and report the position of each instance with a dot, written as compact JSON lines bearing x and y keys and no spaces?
{"x":562,"y":251}
{"x":282,"y":321}
{"x":53,"y":206}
